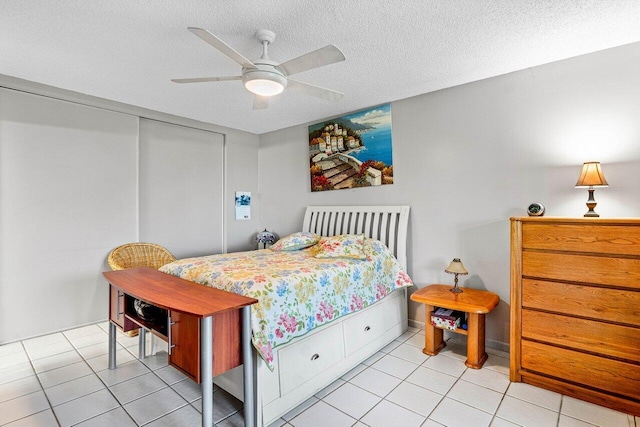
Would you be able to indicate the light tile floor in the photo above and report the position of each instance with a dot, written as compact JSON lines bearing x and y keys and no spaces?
{"x":62,"y":379}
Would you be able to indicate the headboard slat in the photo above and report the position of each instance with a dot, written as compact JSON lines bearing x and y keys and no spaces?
{"x":328,"y":221}
{"x":360,"y":224}
{"x":368,"y":223}
{"x":343,"y":223}
{"x":353,"y":217}
{"x":389,"y":224}
{"x":324,"y":229}
{"x":384,"y":232}
{"x":376,"y":224}
{"x":393,"y":234}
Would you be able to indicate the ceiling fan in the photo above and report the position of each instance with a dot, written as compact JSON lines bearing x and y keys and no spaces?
{"x":265,"y":77}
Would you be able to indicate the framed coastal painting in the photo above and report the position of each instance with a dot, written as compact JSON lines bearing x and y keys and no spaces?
{"x":351,"y":151}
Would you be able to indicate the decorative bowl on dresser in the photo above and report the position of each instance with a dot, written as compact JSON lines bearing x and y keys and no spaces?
{"x":575,"y":308}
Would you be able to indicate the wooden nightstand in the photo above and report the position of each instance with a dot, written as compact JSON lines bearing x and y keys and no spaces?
{"x":472,"y":301}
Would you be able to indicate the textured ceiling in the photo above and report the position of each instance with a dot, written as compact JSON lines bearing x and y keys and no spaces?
{"x":128,"y":50}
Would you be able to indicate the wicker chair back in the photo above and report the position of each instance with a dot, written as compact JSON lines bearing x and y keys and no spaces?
{"x":133,"y":255}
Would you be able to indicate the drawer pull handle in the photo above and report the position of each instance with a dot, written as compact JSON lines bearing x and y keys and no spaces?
{"x":118,"y":311}
{"x":169,"y":325}
{"x":315,"y":357}
{"x":367,"y":328}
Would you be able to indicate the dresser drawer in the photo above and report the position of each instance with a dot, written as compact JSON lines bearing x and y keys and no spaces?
{"x":589,"y":335}
{"x":363,"y":327}
{"x":612,"y":376}
{"x":613,"y":305}
{"x":575,"y":308}
{"x":624,"y":272}
{"x":307,"y":358}
{"x":607,"y":239}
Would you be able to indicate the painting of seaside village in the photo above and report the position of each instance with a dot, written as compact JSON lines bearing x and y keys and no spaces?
{"x":352,"y":151}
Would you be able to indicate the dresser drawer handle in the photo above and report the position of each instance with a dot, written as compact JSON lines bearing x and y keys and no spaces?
{"x":367,"y":328}
{"x":315,"y":357}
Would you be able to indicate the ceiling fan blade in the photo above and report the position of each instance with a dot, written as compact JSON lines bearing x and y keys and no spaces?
{"x":206,"y":79}
{"x":317,"y":91}
{"x":222,"y":47}
{"x":260,"y":102}
{"x":318,"y":58}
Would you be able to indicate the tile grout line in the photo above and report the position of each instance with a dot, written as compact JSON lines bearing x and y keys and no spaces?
{"x":105,"y":385}
{"x":35,"y":374}
{"x":384,"y":398}
{"x":381,"y":397}
{"x":169,"y":386}
{"x":55,"y":416}
{"x":153,"y":371}
{"x":140,"y":397}
{"x":99,"y":379}
{"x":391,"y":391}
{"x":495,"y":414}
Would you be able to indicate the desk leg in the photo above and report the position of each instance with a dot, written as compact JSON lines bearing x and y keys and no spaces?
{"x":206,"y":369}
{"x":112,"y":346}
{"x":476,"y":355}
{"x":250,"y":397}
{"x":142,"y":343}
{"x":433,"y":342}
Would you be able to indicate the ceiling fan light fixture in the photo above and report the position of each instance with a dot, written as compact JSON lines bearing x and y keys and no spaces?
{"x":264,"y":83}
{"x":264,"y":87}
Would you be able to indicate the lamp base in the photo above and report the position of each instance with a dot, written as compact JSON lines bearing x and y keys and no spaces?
{"x":591,"y":204}
{"x":455,"y":289}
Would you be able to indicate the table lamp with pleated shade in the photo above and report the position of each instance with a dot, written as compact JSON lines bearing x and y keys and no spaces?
{"x":591,"y":176}
{"x":456,"y":267}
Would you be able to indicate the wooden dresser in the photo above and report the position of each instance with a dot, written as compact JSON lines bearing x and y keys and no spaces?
{"x":575,"y":308}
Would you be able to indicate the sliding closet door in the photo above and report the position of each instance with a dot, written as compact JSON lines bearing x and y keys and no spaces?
{"x":67,"y":196}
{"x":181,"y":188}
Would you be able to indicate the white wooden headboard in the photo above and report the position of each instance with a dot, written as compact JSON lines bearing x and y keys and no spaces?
{"x":385,"y":223}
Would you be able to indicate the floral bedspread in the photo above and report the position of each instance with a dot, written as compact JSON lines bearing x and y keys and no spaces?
{"x":296,"y":291}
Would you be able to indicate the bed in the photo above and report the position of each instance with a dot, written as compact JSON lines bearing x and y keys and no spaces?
{"x":296,"y":362}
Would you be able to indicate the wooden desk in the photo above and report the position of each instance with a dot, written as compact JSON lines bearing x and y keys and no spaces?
{"x":196,"y":316}
{"x":475,"y":302}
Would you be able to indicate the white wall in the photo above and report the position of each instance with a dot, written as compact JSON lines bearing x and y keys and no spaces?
{"x":469,"y":157}
{"x":241,"y":174}
{"x":181,"y":188}
{"x":67,"y":196}
{"x":69,"y":193}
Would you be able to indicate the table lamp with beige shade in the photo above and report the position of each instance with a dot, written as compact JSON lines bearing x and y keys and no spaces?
{"x":456,"y":267}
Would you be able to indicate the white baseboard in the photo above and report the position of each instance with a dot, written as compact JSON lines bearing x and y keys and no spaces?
{"x":416,"y":324}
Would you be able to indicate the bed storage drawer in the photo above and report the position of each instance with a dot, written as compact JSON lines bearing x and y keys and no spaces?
{"x":395,"y":311}
{"x":307,"y":358}
{"x":363,"y":327}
